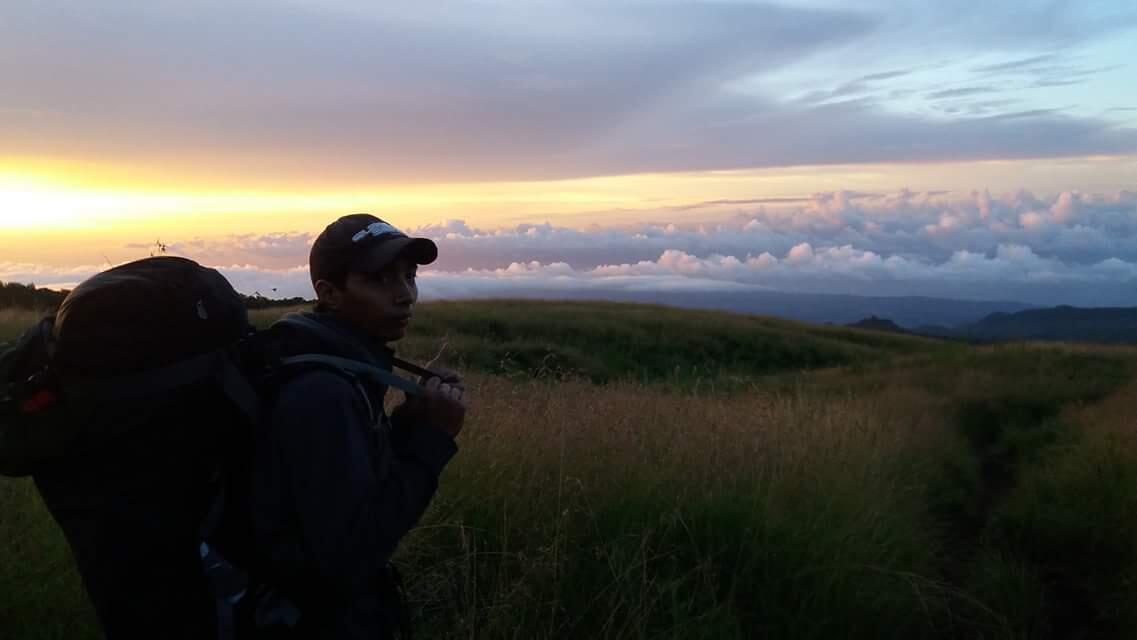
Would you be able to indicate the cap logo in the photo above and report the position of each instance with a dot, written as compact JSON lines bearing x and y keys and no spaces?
{"x":376,"y":229}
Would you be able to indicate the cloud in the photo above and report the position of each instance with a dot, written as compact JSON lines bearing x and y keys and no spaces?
{"x":886,"y":75}
{"x":1072,"y":227}
{"x":1019,"y":30}
{"x":272,"y":283}
{"x":1020,"y":63}
{"x":271,"y":249}
{"x":1013,"y":271}
{"x":1016,"y":245}
{"x":383,"y":92}
{"x":46,"y":276}
{"x":961,"y":92}
{"x":1073,"y":247}
{"x":394,"y":90}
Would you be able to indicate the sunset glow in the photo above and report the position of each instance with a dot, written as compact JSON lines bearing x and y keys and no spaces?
{"x":893,"y":131}
{"x":75,"y":202}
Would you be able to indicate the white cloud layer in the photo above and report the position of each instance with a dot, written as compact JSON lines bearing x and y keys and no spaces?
{"x":1071,"y":248}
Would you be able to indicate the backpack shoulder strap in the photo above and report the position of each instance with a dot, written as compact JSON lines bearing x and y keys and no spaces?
{"x":356,"y":369}
{"x":345,"y":345}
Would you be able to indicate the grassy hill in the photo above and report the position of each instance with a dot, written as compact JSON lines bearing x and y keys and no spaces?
{"x":607,"y":341}
{"x":703,"y":475}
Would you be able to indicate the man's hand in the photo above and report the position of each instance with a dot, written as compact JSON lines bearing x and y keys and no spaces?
{"x":443,"y":405}
{"x":446,"y":376}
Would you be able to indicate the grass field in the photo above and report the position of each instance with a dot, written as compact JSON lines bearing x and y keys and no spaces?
{"x":639,"y":472}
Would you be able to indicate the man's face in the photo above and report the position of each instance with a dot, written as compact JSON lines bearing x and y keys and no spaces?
{"x":381,"y":303}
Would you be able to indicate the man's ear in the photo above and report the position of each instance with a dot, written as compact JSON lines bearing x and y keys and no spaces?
{"x":328,"y":294}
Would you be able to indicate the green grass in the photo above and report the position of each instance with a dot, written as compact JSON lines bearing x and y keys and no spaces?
{"x":42,"y":596}
{"x":608,"y":341}
{"x":40,"y":592}
{"x":1071,"y":519}
{"x":816,"y":482}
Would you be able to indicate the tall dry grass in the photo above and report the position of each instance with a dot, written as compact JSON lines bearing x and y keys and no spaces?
{"x":621,"y":512}
{"x":948,"y":493}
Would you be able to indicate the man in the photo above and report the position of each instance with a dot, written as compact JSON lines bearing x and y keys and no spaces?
{"x":336,"y":482}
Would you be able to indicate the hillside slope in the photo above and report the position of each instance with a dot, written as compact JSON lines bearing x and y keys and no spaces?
{"x":907,"y":311}
{"x":605,"y":341}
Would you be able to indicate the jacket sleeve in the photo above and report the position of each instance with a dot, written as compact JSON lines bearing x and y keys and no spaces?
{"x":354,"y":495}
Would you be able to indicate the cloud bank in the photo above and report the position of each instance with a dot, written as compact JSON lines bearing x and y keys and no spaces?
{"x":1073,"y":248}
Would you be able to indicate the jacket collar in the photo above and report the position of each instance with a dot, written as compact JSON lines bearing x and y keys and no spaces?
{"x":353,"y":343}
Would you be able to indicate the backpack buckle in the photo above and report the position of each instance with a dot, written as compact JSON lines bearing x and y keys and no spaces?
{"x":37,"y":394}
{"x":39,"y":401}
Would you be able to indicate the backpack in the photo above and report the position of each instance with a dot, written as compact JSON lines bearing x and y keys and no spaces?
{"x":132,"y":408}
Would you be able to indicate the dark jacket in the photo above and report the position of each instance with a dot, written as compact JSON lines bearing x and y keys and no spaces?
{"x":334,"y":491}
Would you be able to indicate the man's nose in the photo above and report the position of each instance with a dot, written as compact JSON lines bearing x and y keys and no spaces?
{"x":404,"y":293}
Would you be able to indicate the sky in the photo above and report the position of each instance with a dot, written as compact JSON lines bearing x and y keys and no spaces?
{"x":983,"y":150}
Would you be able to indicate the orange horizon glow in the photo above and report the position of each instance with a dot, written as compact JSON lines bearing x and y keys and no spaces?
{"x":50,"y":213}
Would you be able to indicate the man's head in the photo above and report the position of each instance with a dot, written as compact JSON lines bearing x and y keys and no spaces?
{"x":364,"y":269}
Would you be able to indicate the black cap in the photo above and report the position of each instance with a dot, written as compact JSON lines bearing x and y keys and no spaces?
{"x":362,"y":243}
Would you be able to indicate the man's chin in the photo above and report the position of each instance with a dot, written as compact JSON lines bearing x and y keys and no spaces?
{"x":392,"y":335}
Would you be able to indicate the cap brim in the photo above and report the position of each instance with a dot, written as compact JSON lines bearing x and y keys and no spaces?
{"x":421,"y":250}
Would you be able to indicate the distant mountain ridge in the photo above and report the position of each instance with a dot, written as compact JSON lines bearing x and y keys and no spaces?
{"x":1105,"y":325}
{"x":874,"y":323}
{"x":1078,"y":324}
